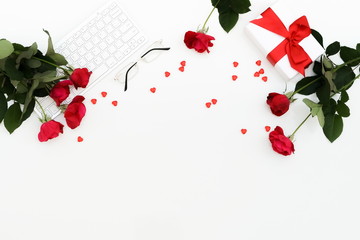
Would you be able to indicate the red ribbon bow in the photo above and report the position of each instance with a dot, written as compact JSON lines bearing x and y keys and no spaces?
{"x":298,"y":30}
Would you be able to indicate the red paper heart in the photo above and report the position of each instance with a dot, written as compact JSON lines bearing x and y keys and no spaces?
{"x":153,"y":90}
{"x":183,"y":63}
{"x":258,"y":62}
{"x":214,"y":101}
{"x":208,"y":104}
{"x":257,"y":74}
{"x":261,"y":71}
{"x":80,"y":139}
{"x":265,"y":78}
{"x":103,"y":94}
{"x":235,"y":64}
{"x":167,"y":74}
{"x":115,"y":103}
{"x":181,"y":69}
{"x":234,"y":77}
{"x":93,"y":101}
{"x":243,"y":131}
{"x":267,"y":128}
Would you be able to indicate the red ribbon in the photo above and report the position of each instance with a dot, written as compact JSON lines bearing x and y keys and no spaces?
{"x":298,"y":30}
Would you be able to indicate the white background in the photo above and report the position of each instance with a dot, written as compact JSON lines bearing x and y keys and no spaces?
{"x":162,"y":165}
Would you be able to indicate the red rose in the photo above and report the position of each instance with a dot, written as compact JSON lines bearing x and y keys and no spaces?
{"x":49,"y":130}
{"x":60,"y":91}
{"x":198,"y":40}
{"x":280,"y":143}
{"x":80,"y":77}
{"x":75,"y":112}
{"x":279,"y":103}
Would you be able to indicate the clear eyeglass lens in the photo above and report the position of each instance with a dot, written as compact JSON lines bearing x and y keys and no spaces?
{"x":121,"y":76}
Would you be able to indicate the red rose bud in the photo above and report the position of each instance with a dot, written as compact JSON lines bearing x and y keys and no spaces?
{"x":50,"y":130}
{"x":75,"y":112}
{"x":280,"y":143}
{"x":60,"y":91}
{"x":80,"y":77}
{"x":279,"y":103}
{"x":198,"y":41}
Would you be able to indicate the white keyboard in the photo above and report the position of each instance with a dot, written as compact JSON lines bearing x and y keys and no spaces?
{"x":101,"y":43}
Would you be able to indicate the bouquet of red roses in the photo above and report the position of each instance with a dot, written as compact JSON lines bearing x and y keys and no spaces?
{"x":326,"y":94}
{"x":27,"y":74}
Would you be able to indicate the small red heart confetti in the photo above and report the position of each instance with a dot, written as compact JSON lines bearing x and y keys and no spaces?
{"x":167,"y":74}
{"x":258,"y":62}
{"x":183,"y":63}
{"x":115,"y":103}
{"x":103,"y":94}
{"x":208,"y":104}
{"x":243,"y":131}
{"x":265,"y":78}
{"x":235,"y":64}
{"x":80,"y":139}
{"x":214,"y":101}
{"x":181,"y":69}
{"x":153,"y":90}
{"x":234,"y":77}
{"x":267,"y":128}
{"x":261,"y":71}
{"x":257,"y":74}
{"x":93,"y":101}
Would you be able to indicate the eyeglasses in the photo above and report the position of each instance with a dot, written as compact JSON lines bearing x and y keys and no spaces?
{"x":147,"y":57}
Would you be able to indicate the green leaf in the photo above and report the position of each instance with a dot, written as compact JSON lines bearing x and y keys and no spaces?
{"x":33,"y":63}
{"x":358,"y":47}
{"x":50,"y":49}
{"x":318,"y":37}
{"x":323,"y":93}
{"x":12,"y":71}
{"x":344,"y":96}
{"x":327,"y":64}
{"x":28,"y":53}
{"x":350,"y":56}
{"x":3,"y":106}
{"x":240,"y":6}
{"x":316,"y":110}
{"x":228,"y":20}
{"x":333,"y":127}
{"x":308,"y":85}
{"x":229,"y":11}
{"x":343,"y":77}
{"x":6,"y":48}
{"x":330,"y":107}
{"x":317,"y":68}
{"x":314,"y":107}
{"x":47,"y":76}
{"x":12,"y":118}
{"x":342,"y":109}
{"x":333,"y":48}
{"x":321,"y":117}
{"x":58,"y":58}
{"x":29,"y":96}
{"x":29,"y":110}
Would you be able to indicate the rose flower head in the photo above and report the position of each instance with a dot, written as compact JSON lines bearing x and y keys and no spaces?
{"x":75,"y":112}
{"x":80,"y":77}
{"x":280,"y":143}
{"x":60,"y":91}
{"x":279,"y":103}
{"x":49,"y":130}
{"x":198,"y":41}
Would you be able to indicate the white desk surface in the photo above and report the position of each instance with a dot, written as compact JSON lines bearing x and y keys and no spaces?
{"x":163,"y":166}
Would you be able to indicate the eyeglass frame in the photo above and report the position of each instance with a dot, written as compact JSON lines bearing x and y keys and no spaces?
{"x":142,"y":56}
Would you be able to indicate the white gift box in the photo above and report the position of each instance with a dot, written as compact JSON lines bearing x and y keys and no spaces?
{"x":266,"y":41}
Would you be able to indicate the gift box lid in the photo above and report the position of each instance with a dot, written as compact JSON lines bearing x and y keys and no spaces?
{"x":267,"y":40}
